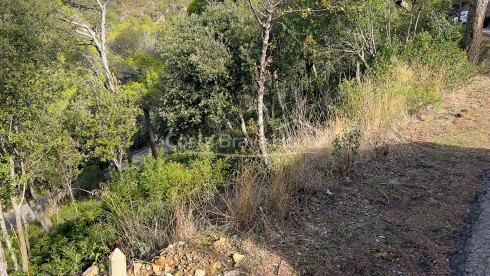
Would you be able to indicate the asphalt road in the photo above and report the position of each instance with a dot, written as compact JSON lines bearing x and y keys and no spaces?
{"x":10,"y":216}
{"x":473,"y":257}
{"x":486,"y":31}
{"x":138,"y":156}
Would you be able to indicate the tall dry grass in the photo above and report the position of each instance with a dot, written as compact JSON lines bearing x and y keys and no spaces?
{"x":380,"y":107}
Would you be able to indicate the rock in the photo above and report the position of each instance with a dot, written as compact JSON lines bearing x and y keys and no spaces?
{"x":137,"y":267}
{"x":315,"y":199}
{"x":220,"y":242}
{"x":168,"y":268}
{"x":156,"y":268}
{"x":200,"y":272}
{"x":91,"y":271}
{"x":158,"y":261}
{"x":216,"y":266}
{"x":238,"y":258}
{"x":232,"y":273}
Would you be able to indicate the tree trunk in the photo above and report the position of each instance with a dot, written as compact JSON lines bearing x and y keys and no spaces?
{"x":72,"y":197}
{"x":26,"y":233}
{"x":271,"y":103}
{"x":266,"y":115}
{"x":358,"y":72}
{"x":261,"y":83}
{"x":103,"y":49}
{"x":280,"y":100}
{"x":38,"y":211}
{"x":20,"y":232}
{"x":243,"y":127}
{"x":474,"y":28}
{"x":232,"y":132}
{"x":326,"y":89}
{"x":3,"y":262}
{"x":153,"y":144}
{"x":7,"y":239}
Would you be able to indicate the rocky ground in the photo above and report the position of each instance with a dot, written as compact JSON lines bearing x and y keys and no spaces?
{"x":192,"y":258}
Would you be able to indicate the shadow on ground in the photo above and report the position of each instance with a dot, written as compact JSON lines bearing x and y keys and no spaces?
{"x":401,"y":212}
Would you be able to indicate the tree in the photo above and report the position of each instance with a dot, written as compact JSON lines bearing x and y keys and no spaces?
{"x":209,"y":69}
{"x":3,"y":262}
{"x":5,"y":191}
{"x":266,"y":17}
{"x":194,"y":94}
{"x":97,"y":35}
{"x":138,"y":66}
{"x":30,"y":50}
{"x":474,"y":28}
{"x":112,"y":112}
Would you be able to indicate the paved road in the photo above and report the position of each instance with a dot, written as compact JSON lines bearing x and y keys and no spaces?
{"x":138,"y":156}
{"x":10,"y":216}
{"x":486,"y":31}
{"x":473,"y":257}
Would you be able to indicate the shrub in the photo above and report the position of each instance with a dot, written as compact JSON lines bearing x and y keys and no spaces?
{"x":345,"y":148}
{"x":74,"y":244}
{"x":150,"y":204}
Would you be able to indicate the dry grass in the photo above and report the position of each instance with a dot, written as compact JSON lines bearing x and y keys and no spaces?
{"x":303,"y":167}
{"x":303,"y":163}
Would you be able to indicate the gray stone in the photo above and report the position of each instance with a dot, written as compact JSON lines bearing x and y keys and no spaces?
{"x":232,"y":273}
{"x":91,"y":271}
{"x":200,"y":273}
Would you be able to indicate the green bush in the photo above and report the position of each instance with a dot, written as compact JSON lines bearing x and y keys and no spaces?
{"x":146,"y":203}
{"x":345,"y":148}
{"x":74,"y":244}
{"x":165,"y":180}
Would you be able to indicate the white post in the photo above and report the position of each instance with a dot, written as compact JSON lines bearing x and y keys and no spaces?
{"x":117,"y":263}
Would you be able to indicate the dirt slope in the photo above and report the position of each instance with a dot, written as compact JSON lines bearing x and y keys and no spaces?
{"x":400,"y":213}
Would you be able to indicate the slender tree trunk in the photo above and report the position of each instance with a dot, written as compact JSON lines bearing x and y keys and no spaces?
{"x":271,"y":102}
{"x":232,"y":131}
{"x":261,"y":83}
{"x":358,"y":72}
{"x":20,"y":232}
{"x":266,"y":115}
{"x":474,"y":28}
{"x":72,"y":196}
{"x":103,"y":49}
{"x":26,"y":233}
{"x":7,"y":240}
{"x":416,"y":24}
{"x":37,"y":209}
{"x":3,"y":262}
{"x":243,"y":127}
{"x":153,"y":143}
{"x":280,"y":100}
{"x":130,"y":156}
